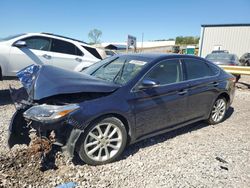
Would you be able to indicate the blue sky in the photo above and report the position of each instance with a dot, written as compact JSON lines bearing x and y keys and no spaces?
{"x":157,"y":19}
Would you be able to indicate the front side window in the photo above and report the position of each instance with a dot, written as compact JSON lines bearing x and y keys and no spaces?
{"x":64,"y":47}
{"x":197,"y":69}
{"x":166,"y":72}
{"x":38,"y":43}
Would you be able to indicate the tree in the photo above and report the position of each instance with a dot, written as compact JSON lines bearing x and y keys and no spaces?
{"x":94,"y":36}
{"x":186,"y":40}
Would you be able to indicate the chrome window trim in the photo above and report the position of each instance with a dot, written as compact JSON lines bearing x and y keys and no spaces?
{"x":133,"y":90}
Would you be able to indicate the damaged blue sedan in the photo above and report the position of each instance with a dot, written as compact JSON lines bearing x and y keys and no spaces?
{"x":117,"y":101}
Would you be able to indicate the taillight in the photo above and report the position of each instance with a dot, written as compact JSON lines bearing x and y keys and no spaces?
{"x":233,"y":79}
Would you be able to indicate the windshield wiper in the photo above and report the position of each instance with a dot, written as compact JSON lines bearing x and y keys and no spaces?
{"x":120,"y":73}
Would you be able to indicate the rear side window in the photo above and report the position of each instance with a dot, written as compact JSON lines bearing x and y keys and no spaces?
{"x":197,"y":69}
{"x":38,"y":43}
{"x":93,"y":51}
{"x":166,"y":72}
{"x":79,"y":52}
{"x":64,"y":47}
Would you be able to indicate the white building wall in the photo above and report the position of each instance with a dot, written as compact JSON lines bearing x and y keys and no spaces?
{"x":235,"y":39}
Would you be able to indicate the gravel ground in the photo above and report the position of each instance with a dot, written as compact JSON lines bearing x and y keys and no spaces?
{"x":195,"y":156}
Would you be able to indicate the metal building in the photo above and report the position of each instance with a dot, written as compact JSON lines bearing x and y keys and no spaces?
{"x":232,"y":37}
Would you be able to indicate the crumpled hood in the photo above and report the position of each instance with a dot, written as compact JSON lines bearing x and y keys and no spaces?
{"x":45,"y":81}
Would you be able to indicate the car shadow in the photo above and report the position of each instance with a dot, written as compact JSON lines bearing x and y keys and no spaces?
{"x":245,"y":84}
{"x":5,"y":97}
{"x":134,"y":148}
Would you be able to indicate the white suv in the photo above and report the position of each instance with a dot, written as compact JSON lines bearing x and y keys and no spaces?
{"x":20,"y":51}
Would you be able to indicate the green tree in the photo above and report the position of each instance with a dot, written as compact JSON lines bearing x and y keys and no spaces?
{"x":180,"y":40}
{"x":94,"y":36}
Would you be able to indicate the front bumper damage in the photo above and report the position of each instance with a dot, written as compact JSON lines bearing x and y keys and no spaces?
{"x":65,"y":132}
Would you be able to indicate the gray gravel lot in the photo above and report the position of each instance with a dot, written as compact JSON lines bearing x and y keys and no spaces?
{"x":182,"y":158}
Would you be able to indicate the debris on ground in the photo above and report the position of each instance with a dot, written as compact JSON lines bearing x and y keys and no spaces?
{"x":224,"y":168}
{"x":67,"y":185}
{"x":221,"y":160}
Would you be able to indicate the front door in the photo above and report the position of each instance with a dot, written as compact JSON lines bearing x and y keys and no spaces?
{"x":163,"y":106}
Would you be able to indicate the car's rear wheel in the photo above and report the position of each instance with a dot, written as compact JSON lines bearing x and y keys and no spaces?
{"x":218,"y":111}
{"x":247,"y":63}
{"x":103,"y":141}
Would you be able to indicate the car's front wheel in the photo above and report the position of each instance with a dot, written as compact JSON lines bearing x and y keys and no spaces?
{"x":218,"y":111}
{"x":103,"y":141}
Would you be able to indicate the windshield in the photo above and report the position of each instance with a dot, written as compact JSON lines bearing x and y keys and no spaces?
{"x":11,"y":37}
{"x":116,"y":69}
{"x":220,"y":56}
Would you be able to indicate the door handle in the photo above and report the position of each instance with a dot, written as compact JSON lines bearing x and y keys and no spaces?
{"x":47,"y":56}
{"x":78,"y":59}
{"x":215,"y":84}
{"x":182,"y":92}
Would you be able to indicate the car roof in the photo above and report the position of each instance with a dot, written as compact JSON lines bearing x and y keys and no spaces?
{"x":159,"y":56}
{"x":59,"y":37}
{"x":229,"y":54}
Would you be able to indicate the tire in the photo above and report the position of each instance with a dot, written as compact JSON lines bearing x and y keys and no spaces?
{"x":103,"y":141}
{"x":247,"y":63}
{"x":219,"y":108}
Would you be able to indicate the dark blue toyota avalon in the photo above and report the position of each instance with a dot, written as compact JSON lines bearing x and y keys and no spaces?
{"x":117,"y":101}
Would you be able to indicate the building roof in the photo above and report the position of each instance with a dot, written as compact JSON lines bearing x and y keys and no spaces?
{"x":225,"y":25}
{"x":116,"y":47}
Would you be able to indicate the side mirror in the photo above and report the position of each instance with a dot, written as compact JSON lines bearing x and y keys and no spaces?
{"x":146,"y":84}
{"x":20,"y":44}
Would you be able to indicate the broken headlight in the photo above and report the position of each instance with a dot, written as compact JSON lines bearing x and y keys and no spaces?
{"x":46,"y":112}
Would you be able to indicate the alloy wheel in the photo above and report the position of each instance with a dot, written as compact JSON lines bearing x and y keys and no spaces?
{"x":103,"y":142}
{"x":219,"y":110}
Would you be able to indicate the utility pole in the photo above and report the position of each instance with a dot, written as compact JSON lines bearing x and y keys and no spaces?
{"x":142,"y":36}
{"x":127,"y":45}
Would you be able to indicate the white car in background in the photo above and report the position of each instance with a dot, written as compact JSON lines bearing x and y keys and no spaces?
{"x":20,"y":51}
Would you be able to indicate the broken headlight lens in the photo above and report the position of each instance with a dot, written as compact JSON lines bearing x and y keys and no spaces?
{"x":49,"y":112}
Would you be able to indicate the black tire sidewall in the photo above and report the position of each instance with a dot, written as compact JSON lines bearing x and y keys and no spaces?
{"x":81,"y":152}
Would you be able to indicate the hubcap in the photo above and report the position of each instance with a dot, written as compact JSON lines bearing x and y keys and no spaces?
{"x":103,"y":142}
{"x":219,"y":110}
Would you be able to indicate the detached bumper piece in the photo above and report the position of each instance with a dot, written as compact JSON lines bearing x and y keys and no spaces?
{"x":63,"y":134}
{"x":18,"y":130}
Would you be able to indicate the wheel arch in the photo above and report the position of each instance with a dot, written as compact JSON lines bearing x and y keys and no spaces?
{"x":99,"y":118}
{"x":225,"y":95}
{"x":118,"y":116}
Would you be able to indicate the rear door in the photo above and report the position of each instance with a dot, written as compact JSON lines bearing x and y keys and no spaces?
{"x":65,"y":54}
{"x":37,"y":51}
{"x":165,"y":105}
{"x":203,"y":83}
